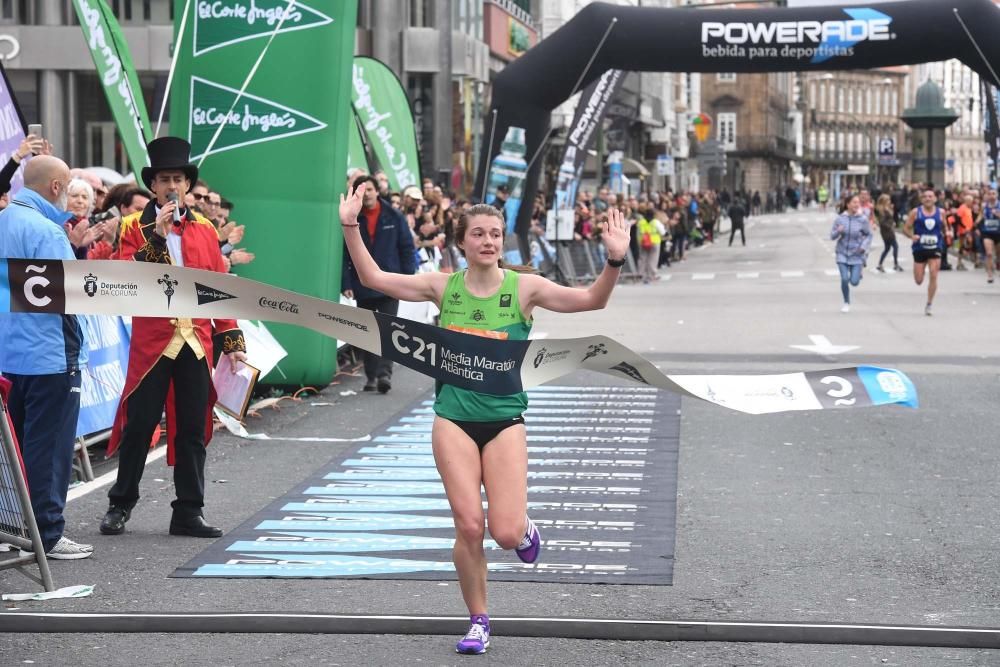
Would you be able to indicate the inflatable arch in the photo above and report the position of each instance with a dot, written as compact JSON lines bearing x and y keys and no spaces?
{"x":725,"y":40}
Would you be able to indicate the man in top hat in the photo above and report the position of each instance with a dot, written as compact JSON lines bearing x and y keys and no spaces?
{"x":169,"y":358}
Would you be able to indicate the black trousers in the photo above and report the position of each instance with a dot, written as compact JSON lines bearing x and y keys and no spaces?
{"x":145,"y":405}
{"x":732,"y":234}
{"x":376,"y":366}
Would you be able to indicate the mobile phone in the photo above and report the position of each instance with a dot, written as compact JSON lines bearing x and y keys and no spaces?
{"x":35,"y":129}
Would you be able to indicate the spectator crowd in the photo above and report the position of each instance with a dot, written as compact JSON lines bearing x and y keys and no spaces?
{"x":408,"y":231}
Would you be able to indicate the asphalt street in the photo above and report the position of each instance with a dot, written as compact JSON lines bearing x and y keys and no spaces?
{"x":885,"y":515}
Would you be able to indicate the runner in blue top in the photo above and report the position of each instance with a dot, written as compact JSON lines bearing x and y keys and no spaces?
{"x":479,"y":441}
{"x":989,"y":231}
{"x":925,"y":225}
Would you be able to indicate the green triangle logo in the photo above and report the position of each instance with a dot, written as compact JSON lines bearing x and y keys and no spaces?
{"x":253,"y":120}
{"x":219,"y":23}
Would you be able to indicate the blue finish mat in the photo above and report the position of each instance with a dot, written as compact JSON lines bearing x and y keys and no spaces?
{"x":602,"y":488}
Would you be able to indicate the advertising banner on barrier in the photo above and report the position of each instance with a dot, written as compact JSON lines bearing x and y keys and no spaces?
{"x":114,"y":65}
{"x":281,"y":144}
{"x":384,"y":112}
{"x":12,"y":129}
{"x":587,"y":118}
{"x":471,"y":362}
{"x":104,"y":377}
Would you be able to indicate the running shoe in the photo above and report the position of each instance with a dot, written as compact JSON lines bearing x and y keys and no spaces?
{"x":880,"y":269}
{"x":846,"y":308}
{"x":477,"y":639}
{"x":531,"y":544}
{"x":65,"y":549}
{"x":927,"y":310}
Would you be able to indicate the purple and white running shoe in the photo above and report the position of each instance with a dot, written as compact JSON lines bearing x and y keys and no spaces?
{"x":531,"y":544}
{"x":477,"y":639}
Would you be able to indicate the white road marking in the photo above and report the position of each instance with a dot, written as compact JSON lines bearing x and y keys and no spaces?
{"x":108,"y":477}
{"x":747,"y":274}
{"x":821,"y":345}
{"x":702,"y":276}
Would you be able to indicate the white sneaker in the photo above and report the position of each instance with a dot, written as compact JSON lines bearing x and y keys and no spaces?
{"x":846,"y":308}
{"x":66,"y":549}
{"x":927,"y":310}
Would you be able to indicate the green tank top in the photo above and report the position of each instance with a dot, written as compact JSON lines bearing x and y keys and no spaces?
{"x":500,"y":313}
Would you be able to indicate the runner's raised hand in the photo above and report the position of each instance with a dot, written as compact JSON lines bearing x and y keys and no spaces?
{"x":616,"y":234}
{"x":350,"y":207}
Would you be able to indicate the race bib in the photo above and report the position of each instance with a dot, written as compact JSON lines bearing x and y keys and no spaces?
{"x":483,"y":333}
{"x":929,"y":240}
{"x":991,"y":224}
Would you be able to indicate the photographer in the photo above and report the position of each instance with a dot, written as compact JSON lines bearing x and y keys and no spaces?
{"x":29,"y":146}
{"x":123,"y":200}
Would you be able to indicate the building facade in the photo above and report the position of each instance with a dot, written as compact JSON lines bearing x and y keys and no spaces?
{"x":965,"y":147}
{"x":447,"y":80}
{"x":53,"y":75}
{"x":648,"y":118}
{"x":753,"y":120}
{"x":853,"y":135}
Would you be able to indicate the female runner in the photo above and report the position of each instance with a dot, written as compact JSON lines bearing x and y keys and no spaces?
{"x":479,"y":440}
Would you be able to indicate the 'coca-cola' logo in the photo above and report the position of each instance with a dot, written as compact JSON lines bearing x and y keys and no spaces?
{"x":283,"y":306}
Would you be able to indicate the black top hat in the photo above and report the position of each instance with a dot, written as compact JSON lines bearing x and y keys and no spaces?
{"x":169,"y":153}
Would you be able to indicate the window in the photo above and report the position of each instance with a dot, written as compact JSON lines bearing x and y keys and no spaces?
{"x":840,"y":141}
{"x":103,"y":146}
{"x":878,"y":103}
{"x":840,"y":100}
{"x":812,"y":140}
{"x":868,"y":101}
{"x":850,"y":142}
{"x":821,"y":103}
{"x":895,"y":101}
{"x":726,"y":132}
{"x":421,"y":14}
{"x":726,"y":77}
{"x":850,"y":100}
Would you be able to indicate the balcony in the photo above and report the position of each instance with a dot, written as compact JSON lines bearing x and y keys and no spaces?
{"x":830,"y":158}
{"x":764,"y":146}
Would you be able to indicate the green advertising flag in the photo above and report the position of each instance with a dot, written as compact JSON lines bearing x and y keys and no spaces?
{"x":356,"y":156}
{"x":280,"y":154}
{"x":117,"y":73}
{"x":384,"y":111}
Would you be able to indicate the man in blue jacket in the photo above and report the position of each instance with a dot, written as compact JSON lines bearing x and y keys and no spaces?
{"x":390,"y":242}
{"x":42,"y":352}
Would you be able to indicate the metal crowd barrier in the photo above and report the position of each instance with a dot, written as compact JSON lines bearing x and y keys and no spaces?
{"x":81,"y":460}
{"x":578,"y":262}
{"x":17,"y":520}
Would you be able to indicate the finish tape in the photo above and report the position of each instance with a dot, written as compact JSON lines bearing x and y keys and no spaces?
{"x":490,"y":366}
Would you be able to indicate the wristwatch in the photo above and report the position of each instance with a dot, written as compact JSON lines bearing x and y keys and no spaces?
{"x":616,"y":263}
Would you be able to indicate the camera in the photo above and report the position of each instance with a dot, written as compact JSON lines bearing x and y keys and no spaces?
{"x":112,"y":212}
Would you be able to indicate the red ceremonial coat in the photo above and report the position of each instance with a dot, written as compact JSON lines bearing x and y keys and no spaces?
{"x":150,"y":335}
